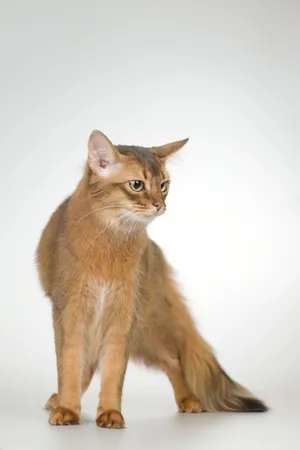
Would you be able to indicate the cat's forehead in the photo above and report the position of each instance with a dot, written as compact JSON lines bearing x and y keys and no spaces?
{"x":144,"y":159}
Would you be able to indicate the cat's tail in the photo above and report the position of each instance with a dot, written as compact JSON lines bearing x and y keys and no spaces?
{"x":209,"y":382}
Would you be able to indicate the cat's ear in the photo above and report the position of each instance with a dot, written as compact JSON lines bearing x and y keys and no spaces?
{"x":103,"y":157}
{"x":167,"y":150}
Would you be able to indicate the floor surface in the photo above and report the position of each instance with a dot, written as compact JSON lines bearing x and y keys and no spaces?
{"x":152,"y":423}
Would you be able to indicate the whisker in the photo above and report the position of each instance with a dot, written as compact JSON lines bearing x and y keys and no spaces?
{"x":134,"y":228}
{"x":118,"y":229}
{"x":100,"y":209}
{"x":102,"y":231}
{"x":131,"y":227}
{"x":131,"y":231}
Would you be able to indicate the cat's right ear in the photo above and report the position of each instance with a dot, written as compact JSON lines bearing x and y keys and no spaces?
{"x":103,"y":157}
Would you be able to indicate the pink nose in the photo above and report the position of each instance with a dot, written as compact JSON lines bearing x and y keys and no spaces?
{"x":157,"y":206}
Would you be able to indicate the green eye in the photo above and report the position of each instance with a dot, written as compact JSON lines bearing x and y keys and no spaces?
{"x":136,"y":185}
{"x":164,"y":186}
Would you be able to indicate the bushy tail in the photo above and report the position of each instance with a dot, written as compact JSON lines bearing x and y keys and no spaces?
{"x":208,"y":381}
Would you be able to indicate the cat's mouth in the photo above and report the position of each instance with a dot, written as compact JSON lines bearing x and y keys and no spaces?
{"x":146,"y":216}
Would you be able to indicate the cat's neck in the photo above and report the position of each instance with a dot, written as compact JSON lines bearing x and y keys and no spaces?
{"x":97,"y":236}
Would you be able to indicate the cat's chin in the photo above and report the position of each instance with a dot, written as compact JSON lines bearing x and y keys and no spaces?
{"x":145,"y":219}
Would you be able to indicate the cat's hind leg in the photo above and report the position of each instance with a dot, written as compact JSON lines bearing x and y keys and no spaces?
{"x":186,"y":401}
{"x":52,"y":402}
{"x":166,"y":359}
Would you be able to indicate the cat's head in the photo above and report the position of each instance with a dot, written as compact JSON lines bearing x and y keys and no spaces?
{"x":128,"y":180}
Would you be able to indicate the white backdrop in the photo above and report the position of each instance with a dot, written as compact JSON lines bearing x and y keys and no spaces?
{"x":225,"y":74}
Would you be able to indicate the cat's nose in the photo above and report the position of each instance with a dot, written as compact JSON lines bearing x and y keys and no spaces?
{"x":158,"y":206}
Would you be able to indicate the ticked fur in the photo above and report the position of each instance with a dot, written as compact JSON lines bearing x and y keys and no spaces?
{"x":113,"y":292}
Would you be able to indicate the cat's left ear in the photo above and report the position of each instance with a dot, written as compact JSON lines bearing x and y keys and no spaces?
{"x":167,"y":150}
{"x":103,"y":157}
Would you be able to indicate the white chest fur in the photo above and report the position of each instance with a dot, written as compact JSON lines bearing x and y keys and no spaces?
{"x":100,"y":302}
{"x":98,"y":291}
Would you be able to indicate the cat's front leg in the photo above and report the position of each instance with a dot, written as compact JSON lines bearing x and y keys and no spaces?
{"x":69,"y":342}
{"x":117,"y":321}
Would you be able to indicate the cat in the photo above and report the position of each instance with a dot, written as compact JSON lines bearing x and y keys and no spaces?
{"x":113,"y":292}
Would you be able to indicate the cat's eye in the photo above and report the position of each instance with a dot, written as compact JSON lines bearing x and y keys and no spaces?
{"x":136,"y":185}
{"x":164,"y":186}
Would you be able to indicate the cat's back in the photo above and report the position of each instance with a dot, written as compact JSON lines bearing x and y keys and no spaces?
{"x":50,"y":245}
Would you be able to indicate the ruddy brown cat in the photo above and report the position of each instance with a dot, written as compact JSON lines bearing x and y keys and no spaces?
{"x":114,"y":296}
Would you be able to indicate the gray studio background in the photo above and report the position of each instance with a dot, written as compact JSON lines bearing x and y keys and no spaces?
{"x":224,"y":73}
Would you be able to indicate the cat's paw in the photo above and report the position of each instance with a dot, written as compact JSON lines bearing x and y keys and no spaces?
{"x":63,"y":416}
{"x":110,"y":419}
{"x":52,"y":402}
{"x":190,"y":405}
